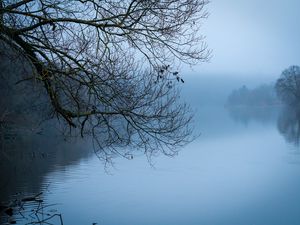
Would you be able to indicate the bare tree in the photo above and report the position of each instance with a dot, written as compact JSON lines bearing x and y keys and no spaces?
{"x":288,"y":85}
{"x":109,"y":66}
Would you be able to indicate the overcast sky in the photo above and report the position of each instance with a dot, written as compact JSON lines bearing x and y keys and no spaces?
{"x":252,"y":38}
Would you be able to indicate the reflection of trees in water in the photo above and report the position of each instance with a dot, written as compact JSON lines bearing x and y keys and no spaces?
{"x":28,"y":149}
{"x":289,"y":124}
{"x":246,"y":114}
{"x":26,"y":160}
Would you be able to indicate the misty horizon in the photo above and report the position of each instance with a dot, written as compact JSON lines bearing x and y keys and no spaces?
{"x":174,"y":112}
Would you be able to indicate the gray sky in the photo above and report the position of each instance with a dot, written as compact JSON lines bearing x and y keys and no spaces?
{"x":251,"y":38}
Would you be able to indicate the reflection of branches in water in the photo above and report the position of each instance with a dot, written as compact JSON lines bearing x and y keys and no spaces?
{"x":289,"y":124}
{"x":31,"y":209}
{"x":28,"y":158}
{"x":39,"y":216}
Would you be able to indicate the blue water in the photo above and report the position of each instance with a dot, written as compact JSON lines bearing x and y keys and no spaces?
{"x":242,"y":170}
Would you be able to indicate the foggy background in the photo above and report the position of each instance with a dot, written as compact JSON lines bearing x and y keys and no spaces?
{"x":243,"y":168}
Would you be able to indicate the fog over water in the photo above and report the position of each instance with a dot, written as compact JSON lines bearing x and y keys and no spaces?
{"x":242,"y":169}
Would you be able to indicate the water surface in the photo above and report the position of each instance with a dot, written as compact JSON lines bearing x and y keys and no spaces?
{"x":243,"y":169}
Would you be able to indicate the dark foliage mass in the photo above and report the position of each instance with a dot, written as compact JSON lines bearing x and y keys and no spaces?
{"x":288,"y":86}
{"x":263,"y":95}
{"x":108,"y":68}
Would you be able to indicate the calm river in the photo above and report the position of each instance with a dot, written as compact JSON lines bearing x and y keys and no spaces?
{"x":244,"y":169}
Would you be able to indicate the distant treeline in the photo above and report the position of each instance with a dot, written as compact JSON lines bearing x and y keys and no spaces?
{"x":263,"y":95}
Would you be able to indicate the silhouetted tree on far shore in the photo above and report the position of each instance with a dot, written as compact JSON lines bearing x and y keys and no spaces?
{"x":288,"y":86}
